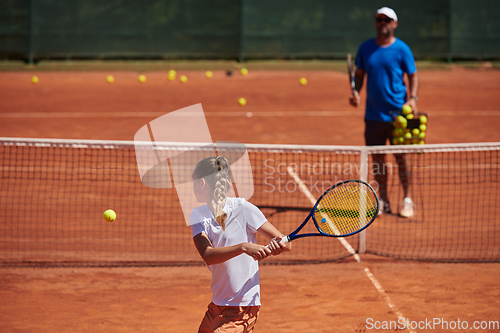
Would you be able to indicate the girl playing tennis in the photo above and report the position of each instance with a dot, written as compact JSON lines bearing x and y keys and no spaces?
{"x":224,"y":233}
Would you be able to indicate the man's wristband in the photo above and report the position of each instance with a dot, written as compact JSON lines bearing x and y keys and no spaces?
{"x":415,"y":98}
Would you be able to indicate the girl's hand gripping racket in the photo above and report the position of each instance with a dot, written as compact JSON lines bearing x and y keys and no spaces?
{"x":343,"y":210}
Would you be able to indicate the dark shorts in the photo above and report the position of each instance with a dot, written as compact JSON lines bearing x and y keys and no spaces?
{"x":378,"y":132}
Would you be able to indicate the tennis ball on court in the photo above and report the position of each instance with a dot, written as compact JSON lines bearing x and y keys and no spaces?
{"x":171,"y":77}
{"x":142,"y":78}
{"x":209,"y":74}
{"x":35,"y":79}
{"x":423,"y":119}
{"x":109,"y":215}
{"x":242,"y":101}
{"x":244,"y":71}
{"x":415,"y":131}
{"x":422,"y":128}
{"x":172,"y":72}
{"x":110,"y":79}
{"x":303,"y":81}
{"x":406,"y":109}
{"x":183,"y":78}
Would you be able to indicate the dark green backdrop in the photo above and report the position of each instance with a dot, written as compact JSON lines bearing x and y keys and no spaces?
{"x":244,"y":29}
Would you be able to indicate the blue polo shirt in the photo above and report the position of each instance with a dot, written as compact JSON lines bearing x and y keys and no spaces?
{"x":385,"y":68}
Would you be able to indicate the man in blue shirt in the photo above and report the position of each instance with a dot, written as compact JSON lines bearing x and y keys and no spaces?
{"x":385,"y":59}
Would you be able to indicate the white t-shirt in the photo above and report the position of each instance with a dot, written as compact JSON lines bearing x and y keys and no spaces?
{"x":236,"y":281}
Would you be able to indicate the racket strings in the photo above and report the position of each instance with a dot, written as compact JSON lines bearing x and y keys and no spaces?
{"x":346,"y":209}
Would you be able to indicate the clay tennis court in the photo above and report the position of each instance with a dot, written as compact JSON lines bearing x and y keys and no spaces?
{"x":333,"y":297}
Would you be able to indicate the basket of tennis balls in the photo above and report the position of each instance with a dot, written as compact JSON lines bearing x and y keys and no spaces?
{"x":410,"y":128}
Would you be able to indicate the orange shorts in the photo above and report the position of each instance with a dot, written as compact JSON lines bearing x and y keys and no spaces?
{"x":229,"y":319}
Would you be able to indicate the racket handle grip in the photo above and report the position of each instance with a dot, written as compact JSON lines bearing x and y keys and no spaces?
{"x":284,"y":240}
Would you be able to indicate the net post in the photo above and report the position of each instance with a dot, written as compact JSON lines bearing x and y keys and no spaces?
{"x":363,"y":175}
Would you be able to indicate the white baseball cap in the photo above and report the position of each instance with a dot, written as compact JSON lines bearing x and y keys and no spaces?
{"x":388,"y":12}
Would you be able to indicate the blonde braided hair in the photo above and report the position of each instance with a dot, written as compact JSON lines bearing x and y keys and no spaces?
{"x":215,"y":170}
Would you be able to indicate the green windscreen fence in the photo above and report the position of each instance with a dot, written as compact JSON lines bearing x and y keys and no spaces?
{"x":475,"y":28}
{"x":244,"y":29}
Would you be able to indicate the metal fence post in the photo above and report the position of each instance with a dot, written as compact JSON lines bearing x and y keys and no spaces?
{"x":240,"y":34}
{"x":30,"y":33}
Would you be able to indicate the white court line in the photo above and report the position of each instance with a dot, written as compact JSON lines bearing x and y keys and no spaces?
{"x":241,"y":114}
{"x":351,"y":251}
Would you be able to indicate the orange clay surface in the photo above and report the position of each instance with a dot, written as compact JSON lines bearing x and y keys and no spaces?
{"x":463,"y":104}
{"x":336,"y":297}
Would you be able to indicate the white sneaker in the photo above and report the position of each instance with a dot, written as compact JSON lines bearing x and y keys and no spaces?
{"x":407,"y":208}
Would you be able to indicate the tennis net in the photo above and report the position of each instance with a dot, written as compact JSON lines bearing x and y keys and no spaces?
{"x":53,"y":194}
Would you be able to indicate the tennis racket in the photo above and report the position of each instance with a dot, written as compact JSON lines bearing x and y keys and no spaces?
{"x":343,"y":210}
{"x":350,"y":71}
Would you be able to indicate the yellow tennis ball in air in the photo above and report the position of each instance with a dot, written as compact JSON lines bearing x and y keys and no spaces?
{"x":142,"y":78}
{"x":244,"y":71}
{"x":209,"y":74}
{"x":406,"y":109}
{"x":110,"y":79}
{"x":35,"y":79}
{"x":183,"y":78}
{"x":423,"y":120}
{"x":303,"y":81}
{"x":109,"y":215}
{"x":242,"y":101}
